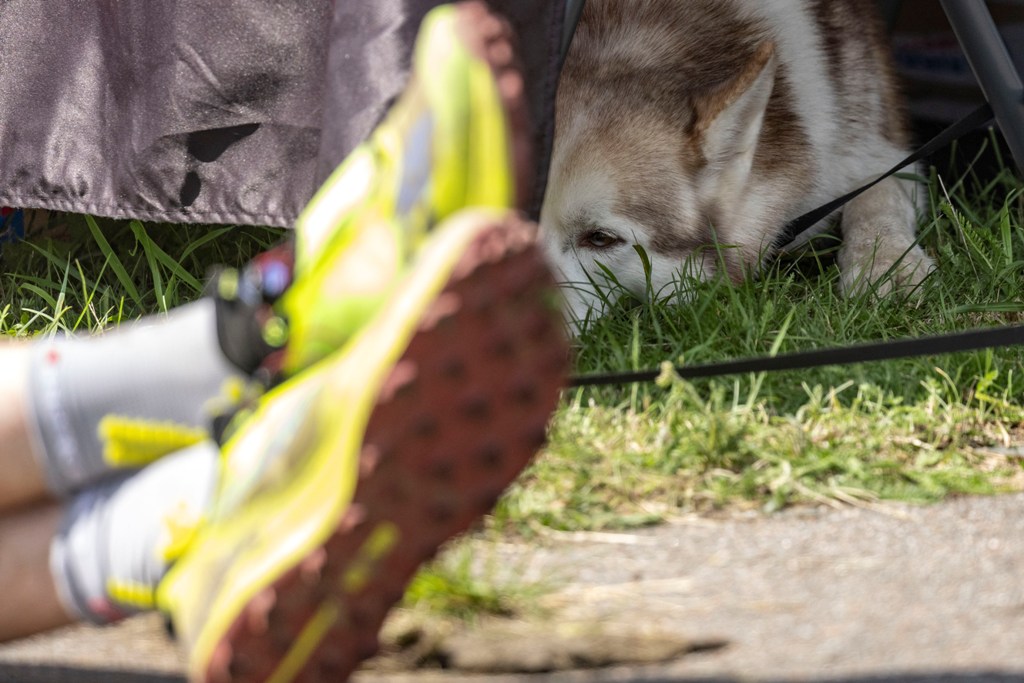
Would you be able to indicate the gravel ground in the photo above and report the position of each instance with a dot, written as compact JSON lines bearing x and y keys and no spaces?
{"x":850,"y":596}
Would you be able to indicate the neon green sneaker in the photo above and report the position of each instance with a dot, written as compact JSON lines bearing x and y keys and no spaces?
{"x":458,"y":137}
{"x":352,"y":473}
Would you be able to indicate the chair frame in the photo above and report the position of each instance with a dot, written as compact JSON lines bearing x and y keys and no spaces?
{"x":997,"y":75}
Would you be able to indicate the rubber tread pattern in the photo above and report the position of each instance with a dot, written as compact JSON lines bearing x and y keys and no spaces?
{"x":460,"y":416}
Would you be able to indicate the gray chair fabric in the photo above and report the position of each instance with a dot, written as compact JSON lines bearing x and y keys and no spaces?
{"x":214,"y":112}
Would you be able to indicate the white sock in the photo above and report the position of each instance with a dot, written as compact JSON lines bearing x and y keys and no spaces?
{"x":117,"y":540}
{"x":116,"y":402}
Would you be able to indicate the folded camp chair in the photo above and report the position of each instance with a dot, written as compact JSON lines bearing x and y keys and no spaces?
{"x":996,"y":73}
{"x":993,"y":67}
{"x":974,"y":27}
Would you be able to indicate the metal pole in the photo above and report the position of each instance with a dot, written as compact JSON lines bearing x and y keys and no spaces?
{"x":573,"y":11}
{"x":993,"y":67}
{"x":891,"y":12}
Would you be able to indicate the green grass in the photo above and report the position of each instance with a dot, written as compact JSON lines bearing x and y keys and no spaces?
{"x":616,"y":467}
{"x":82,"y":274}
{"x":912,"y":430}
{"x":459,"y":586}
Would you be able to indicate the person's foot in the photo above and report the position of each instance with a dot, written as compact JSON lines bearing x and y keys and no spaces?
{"x":458,"y":137}
{"x":354,"y":472}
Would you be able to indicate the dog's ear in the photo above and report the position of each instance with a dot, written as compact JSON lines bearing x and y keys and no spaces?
{"x":729,"y":120}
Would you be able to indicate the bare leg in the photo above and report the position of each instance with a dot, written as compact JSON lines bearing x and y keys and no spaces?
{"x":30,"y":604}
{"x":22,"y":482}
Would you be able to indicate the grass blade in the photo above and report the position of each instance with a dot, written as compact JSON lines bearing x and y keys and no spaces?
{"x":114,"y":261}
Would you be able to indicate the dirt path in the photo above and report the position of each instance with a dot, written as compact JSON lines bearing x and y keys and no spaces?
{"x":920,"y":595}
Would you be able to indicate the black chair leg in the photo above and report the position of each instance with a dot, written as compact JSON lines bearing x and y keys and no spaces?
{"x":891,"y":12}
{"x":993,"y":67}
{"x":572,"y":18}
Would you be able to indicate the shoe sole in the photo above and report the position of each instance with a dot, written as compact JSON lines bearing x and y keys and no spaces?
{"x":459,"y":416}
{"x":463,"y":117}
{"x":495,"y":71}
{"x":491,"y":39}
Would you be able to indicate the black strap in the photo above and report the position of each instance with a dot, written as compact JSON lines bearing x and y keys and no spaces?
{"x":865,"y":353}
{"x":981,"y":116}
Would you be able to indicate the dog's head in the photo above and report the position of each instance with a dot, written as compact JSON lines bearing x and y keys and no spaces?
{"x":660,"y":117}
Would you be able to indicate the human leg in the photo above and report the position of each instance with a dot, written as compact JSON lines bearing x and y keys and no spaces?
{"x":117,"y":397}
{"x":116,"y":539}
{"x":80,"y":409}
{"x":23,"y":480}
{"x":99,"y":556}
{"x":30,"y":603}
{"x":355,"y":471}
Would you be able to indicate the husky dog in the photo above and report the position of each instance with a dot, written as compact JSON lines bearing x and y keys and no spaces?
{"x":689,"y":124}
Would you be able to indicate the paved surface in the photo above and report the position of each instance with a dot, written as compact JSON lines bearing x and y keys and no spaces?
{"x":908,"y":594}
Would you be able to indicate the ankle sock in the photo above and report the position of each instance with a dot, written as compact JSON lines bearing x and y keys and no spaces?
{"x":117,"y":540}
{"x":119,"y":401}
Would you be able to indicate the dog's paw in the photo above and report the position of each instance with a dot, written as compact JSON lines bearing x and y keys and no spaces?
{"x":883,"y":271}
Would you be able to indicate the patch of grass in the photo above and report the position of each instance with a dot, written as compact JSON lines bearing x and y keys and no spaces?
{"x":85,"y":274}
{"x":460,"y":586}
{"x":616,"y":467}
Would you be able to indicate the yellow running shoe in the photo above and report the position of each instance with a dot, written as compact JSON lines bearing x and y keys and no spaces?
{"x":351,"y":474}
{"x":458,"y":137}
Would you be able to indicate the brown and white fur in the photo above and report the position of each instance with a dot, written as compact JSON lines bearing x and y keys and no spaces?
{"x":685,"y":124}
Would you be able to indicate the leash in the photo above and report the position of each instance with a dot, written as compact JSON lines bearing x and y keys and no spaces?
{"x":974,"y":340}
{"x":796,"y":234}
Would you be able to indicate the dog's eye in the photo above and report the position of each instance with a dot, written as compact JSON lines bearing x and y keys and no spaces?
{"x":598,"y":239}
